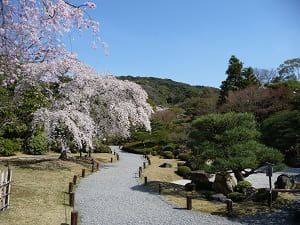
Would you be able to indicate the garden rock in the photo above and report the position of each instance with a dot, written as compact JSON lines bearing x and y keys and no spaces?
{"x":284,"y":182}
{"x":201,"y":179}
{"x":224,"y":183}
{"x":218,"y":197}
{"x":166,"y":165}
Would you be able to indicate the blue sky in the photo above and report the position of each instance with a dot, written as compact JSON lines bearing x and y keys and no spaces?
{"x":191,"y":41}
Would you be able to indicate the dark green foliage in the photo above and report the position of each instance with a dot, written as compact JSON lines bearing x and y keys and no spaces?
{"x":168,"y":154}
{"x":280,"y":131}
{"x":169,"y":147}
{"x":184,"y":156}
{"x":37,"y":145}
{"x":237,"y":79}
{"x":190,"y":187}
{"x":154,"y":153}
{"x":208,"y":194}
{"x":8,"y":147}
{"x":262,"y":194}
{"x":242,"y":186}
{"x":237,"y":196}
{"x":183,"y":171}
{"x":231,"y":141}
{"x":290,"y":69}
{"x":99,"y":147}
{"x":180,"y":164}
{"x":168,"y":92}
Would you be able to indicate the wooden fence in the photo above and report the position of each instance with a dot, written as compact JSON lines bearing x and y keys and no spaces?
{"x":5,"y":181}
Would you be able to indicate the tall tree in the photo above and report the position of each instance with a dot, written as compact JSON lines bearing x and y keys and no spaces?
{"x":282,"y":131}
{"x":237,"y":79}
{"x":290,"y":69}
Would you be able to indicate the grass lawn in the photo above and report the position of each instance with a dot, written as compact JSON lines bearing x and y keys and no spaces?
{"x":177,"y":194}
{"x":39,"y":190}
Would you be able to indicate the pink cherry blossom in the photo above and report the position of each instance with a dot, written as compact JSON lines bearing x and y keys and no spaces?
{"x":31,"y":32}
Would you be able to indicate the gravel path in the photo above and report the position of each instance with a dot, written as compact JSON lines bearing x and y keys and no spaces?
{"x":114,"y":196}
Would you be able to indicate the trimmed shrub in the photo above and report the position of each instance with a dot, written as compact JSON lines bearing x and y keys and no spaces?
{"x":169,"y":147}
{"x":236,"y":196}
{"x":168,"y":154}
{"x":190,"y":187}
{"x":101,"y":148}
{"x":184,"y":156}
{"x":156,"y":148}
{"x":154,"y":153}
{"x":37,"y":145}
{"x":9,"y":147}
{"x":183,"y":171}
{"x":180,"y":163}
{"x":243,"y":185}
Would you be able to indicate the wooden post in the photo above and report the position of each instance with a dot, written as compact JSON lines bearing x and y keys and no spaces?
{"x":118,"y":157}
{"x":74,"y":218}
{"x":114,"y":153}
{"x":111,"y":160}
{"x":7,"y":192}
{"x":229,"y":206}
{"x":83,"y":173}
{"x":93,"y":161}
{"x":146,"y":180}
{"x":97,"y":166}
{"x":140,"y":171}
{"x":74,"y":179}
{"x":188,"y":202}
{"x":72,"y":197}
{"x":144,"y":164}
{"x":70,"y":187}
{"x":270,"y":199}
{"x":159,"y":188}
{"x":149,"y":161}
{"x":92,"y":168}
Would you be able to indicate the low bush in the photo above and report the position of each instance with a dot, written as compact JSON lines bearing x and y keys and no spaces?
{"x":101,"y":148}
{"x":184,"y":156}
{"x":243,"y":185}
{"x":168,"y":154}
{"x":190,"y":187}
{"x":236,"y":196}
{"x":183,"y":171}
{"x":180,"y":163}
{"x":169,"y":147}
{"x":8,"y":147}
{"x":154,"y":153}
{"x":156,"y":148}
{"x":37,"y":145}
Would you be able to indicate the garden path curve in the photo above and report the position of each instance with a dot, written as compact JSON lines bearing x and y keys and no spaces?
{"x":114,"y":196}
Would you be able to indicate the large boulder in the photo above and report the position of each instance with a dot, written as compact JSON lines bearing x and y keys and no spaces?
{"x":284,"y":182}
{"x":201,"y":179}
{"x":224,"y":183}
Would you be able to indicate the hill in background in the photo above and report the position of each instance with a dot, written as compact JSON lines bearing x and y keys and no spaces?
{"x":167,"y":92}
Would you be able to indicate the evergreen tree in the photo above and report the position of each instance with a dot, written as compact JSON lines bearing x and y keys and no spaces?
{"x":237,"y":79}
{"x":230,"y":142}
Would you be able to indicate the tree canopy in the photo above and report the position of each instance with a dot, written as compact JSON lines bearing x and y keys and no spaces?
{"x":230,"y":141}
{"x":237,"y":78}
